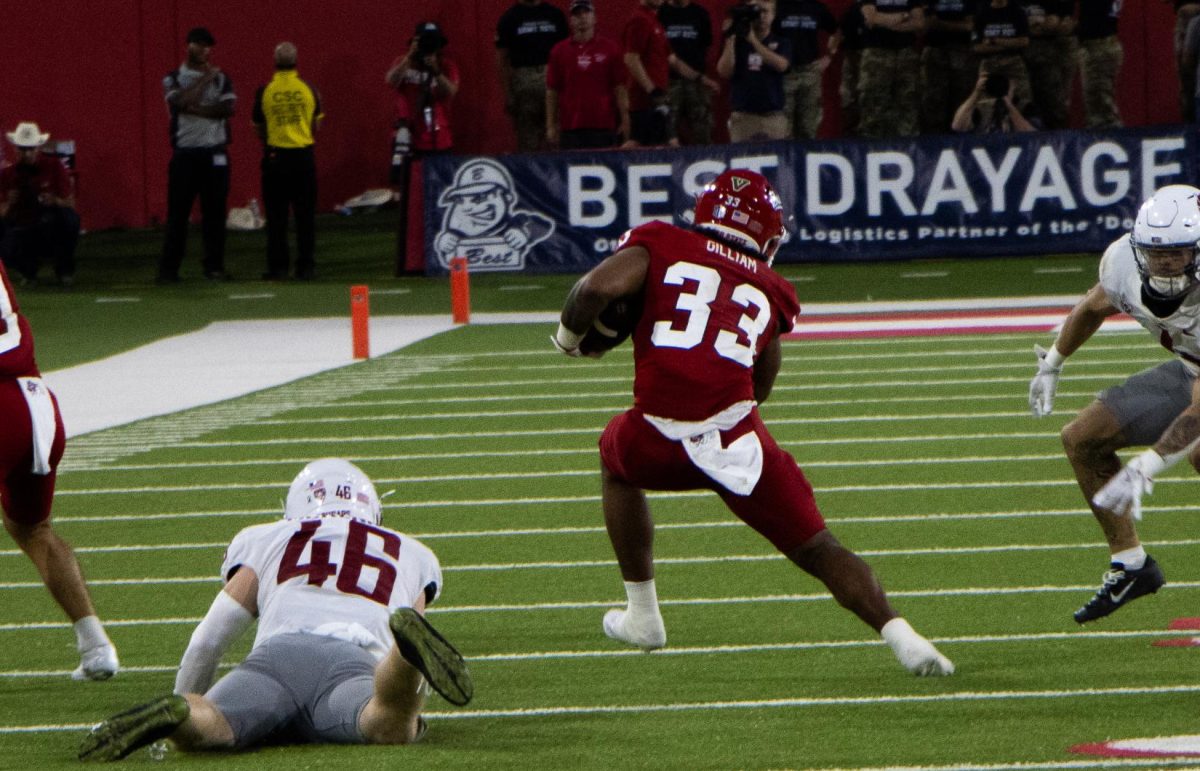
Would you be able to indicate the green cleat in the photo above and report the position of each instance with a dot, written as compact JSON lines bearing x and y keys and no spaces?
{"x":125,"y":732}
{"x":443,"y":666}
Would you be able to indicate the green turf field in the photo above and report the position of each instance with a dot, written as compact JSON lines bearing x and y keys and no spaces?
{"x":923,"y":457}
{"x":114,"y":304}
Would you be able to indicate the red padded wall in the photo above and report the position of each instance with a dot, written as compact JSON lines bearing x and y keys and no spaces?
{"x":92,"y":71}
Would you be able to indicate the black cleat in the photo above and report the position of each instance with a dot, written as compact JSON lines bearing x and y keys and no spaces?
{"x":443,"y":666}
{"x":125,"y":732}
{"x":1120,"y":587}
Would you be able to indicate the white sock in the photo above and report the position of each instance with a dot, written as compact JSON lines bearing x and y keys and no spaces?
{"x":89,"y":634}
{"x":898,"y":632}
{"x":643,"y":597}
{"x":1132,"y":559}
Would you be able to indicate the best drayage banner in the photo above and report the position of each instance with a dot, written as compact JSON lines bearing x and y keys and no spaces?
{"x":947,"y":196}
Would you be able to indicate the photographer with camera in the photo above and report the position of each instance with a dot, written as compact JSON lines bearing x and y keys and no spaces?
{"x":990,"y":108}
{"x":754,"y":61}
{"x":426,"y":80}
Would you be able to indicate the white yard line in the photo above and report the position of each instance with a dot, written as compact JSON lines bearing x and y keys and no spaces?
{"x":877,"y":700}
{"x":230,"y":359}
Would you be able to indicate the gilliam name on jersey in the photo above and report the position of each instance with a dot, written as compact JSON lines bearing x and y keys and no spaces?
{"x":746,"y":261}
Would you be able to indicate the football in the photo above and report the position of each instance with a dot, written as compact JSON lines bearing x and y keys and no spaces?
{"x":613,"y":326}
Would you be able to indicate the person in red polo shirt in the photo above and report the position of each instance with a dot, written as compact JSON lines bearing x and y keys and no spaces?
{"x":587,"y":105}
{"x":648,"y":58}
{"x":37,"y":205}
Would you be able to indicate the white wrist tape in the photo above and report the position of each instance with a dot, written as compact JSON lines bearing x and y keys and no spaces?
{"x":1166,"y":461}
{"x":1054,"y":358}
{"x":567,"y":339}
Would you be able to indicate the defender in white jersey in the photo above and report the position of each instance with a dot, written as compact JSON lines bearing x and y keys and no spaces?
{"x":1153,"y":275}
{"x":342,"y":646}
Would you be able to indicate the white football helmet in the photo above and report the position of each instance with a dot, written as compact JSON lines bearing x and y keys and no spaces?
{"x":332,"y":487}
{"x":1164,"y":241}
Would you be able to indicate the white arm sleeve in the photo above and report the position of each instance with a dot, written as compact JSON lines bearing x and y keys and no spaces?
{"x":225,"y":621}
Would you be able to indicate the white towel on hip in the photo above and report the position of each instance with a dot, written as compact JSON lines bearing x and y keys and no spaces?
{"x":737,"y":467}
{"x":41,"y":416}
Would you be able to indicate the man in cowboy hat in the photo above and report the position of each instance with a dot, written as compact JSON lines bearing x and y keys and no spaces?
{"x":37,"y":205}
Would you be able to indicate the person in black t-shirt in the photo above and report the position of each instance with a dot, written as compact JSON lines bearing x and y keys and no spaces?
{"x":851,"y":28}
{"x":803,"y":21}
{"x":1051,"y":58}
{"x":525,"y":34}
{"x":689,"y":31}
{"x":949,"y":68}
{"x":1100,"y":61}
{"x":1000,"y":38}
{"x":887,"y":81}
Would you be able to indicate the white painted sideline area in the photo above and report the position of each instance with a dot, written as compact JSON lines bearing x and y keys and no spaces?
{"x":228,"y":359}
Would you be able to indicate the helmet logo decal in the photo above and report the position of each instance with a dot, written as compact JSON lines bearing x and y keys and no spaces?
{"x":738,"y":183}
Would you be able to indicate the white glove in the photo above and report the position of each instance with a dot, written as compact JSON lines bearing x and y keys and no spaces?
{"x":1123,"y":493}
{"x":1045,"y":382}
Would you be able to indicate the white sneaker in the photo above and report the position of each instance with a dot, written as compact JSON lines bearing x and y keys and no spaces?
{"x":99,"y":663}
{"x":913,"y":651}
{"x":922,"y":659}
{"x":646,"y":633}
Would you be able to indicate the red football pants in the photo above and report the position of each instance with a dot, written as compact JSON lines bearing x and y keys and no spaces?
{"x":781,"y":507}
{"x":25,"y":497}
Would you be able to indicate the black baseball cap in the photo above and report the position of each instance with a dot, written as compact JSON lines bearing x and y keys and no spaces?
{"x":429,"y":28}
{"x":581,"y":5}
{"x":201,"y":35}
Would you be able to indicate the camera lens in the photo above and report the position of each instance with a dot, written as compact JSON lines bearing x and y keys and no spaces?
{"x":996,"y":85}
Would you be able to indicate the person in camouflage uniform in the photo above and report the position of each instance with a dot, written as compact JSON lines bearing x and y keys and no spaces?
{"x":525,"y":34}
{"x":1100,"y":56}
{"x":1050,"y":59}
{"x":803,"y":21}
{"x":689,"y":31}
{"x":949,"y":67}
{"x":848,"y":40}
{"x":1185,"y":11}
{"x":1001,"y":37}
{"x":888,"y":74}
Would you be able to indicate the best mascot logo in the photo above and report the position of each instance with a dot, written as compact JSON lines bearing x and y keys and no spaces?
{"x":481,"y":221}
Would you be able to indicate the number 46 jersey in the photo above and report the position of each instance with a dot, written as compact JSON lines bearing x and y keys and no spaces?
{"x":708,"y":312}
{"x":333,"y":576}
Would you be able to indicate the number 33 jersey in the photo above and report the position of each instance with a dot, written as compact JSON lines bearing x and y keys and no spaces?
{"x":708,"y":312}
{"x":335,"y":576}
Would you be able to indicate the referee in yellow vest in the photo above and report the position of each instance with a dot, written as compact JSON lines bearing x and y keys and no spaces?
{"x":286,"y":112}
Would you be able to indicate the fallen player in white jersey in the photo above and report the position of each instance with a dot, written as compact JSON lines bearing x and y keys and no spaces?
{"x":342,"y":651}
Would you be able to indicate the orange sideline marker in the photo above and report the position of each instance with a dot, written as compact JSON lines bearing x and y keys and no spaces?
{"x":360,"y":316}
{"x":460,"y":291}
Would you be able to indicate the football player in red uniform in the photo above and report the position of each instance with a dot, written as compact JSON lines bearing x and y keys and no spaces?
{"x":706,"y":353}
{"x":31,"y":444}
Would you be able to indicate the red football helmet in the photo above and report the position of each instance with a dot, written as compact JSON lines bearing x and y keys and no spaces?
{"x":740,"y":206}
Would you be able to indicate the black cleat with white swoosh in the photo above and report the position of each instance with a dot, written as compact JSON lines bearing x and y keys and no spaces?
{"x":1120,"y":587}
